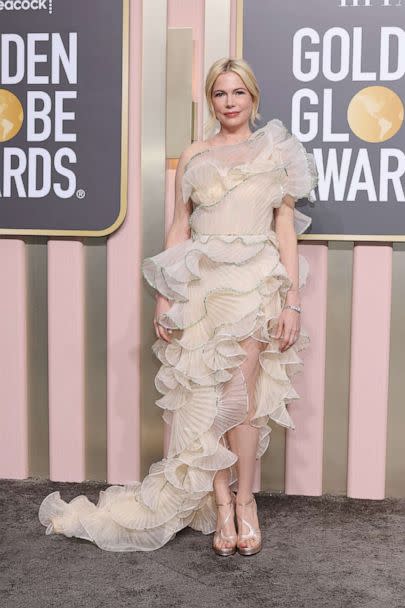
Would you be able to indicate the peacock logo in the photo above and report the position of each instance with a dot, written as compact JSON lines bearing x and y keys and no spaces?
{"x":26,"y":5}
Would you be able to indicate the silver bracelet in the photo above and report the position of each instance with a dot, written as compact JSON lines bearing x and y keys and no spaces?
{"x":294,"y":307}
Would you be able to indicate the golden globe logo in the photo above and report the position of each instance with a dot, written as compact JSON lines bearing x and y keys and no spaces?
{"x":25,"y":5}
{"x":44,"y":116}
{"x":374,"y":113}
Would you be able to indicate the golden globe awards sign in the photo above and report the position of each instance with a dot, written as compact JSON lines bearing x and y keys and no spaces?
{"x":333,"y":72}
{"x":63,"y":116}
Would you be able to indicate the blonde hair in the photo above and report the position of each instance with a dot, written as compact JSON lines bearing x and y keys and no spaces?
{"x":245,"y":72}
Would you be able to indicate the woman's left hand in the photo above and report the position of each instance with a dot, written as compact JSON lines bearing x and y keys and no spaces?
{"x":288,"y":328}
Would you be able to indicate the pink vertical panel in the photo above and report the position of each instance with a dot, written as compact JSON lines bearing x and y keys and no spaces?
{"x":66,"y":360}
{"x":304,"y":445}
{"x":13,"y":363}
{"x":370,"y":339}
{"x":123,"y":293}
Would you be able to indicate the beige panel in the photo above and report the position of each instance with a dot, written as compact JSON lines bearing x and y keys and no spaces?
{"x":153,"y":171}
{"x":96,"y":358}
{"x":179,"y":108}
{"x":37,"y":356}
{"x":395,"y":466}
{"x":337,"y":372}
{"x":273,"y":461}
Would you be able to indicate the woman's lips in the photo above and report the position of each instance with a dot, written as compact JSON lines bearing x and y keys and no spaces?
{"x":231,"y":113}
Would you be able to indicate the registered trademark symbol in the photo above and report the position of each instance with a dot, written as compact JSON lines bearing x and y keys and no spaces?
{"x":81,"y":193}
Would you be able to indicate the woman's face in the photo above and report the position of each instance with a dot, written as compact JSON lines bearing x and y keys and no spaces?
{"x":231,"y":100}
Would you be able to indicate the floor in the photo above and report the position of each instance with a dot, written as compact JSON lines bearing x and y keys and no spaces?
{"x":329,"y":552}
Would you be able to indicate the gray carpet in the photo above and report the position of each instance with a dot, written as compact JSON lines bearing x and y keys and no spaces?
{"x":329,"y":552}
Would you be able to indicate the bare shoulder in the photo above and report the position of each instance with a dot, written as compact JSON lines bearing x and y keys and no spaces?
{"x":191,"y":150}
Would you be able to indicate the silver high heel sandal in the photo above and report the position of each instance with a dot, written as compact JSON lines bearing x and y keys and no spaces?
{"x":229,"y":537}
{"x":253,"y":533}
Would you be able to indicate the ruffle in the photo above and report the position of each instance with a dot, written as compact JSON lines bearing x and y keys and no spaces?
{"x":300,"y":176}
{"x":171,"y":271}
{"x":224,"y":288}
{"x":177,"y":492}
{"x":281,"y":155}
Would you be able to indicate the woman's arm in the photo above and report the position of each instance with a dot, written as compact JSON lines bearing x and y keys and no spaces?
{"x":284,"y":227}
{"x":289,"y":322}
{"x":178,"y":232}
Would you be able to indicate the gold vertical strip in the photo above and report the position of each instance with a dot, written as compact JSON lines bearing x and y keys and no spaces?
{"x":37,"y":355}
{"x":153,"y":173}
{"x":395,"y":478}
{"x":337,"y":371}
{"x":95,"y":252}
{"x":239,"y":29}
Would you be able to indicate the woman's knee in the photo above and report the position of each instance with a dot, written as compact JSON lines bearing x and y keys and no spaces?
{"x":253,"y":348}
{"x":251,"y":370}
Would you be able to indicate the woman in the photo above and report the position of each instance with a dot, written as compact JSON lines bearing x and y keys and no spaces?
{"x":227,"y":322}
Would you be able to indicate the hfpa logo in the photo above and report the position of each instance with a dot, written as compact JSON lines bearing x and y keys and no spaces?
{"x":26,"y":5}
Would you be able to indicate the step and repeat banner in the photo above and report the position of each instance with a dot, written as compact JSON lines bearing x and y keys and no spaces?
{"x":63,"y":116}
{"x":333,"y":72}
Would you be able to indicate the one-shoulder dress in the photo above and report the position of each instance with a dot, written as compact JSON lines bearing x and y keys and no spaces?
{"x":226,"y":283}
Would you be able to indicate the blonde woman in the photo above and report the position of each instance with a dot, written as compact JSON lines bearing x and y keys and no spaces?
{"x":227,"y":323}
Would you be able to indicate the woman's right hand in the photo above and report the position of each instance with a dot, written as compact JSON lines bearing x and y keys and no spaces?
{"x":162,"y":305}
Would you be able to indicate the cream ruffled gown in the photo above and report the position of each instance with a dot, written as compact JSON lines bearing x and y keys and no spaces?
{"x":226,"y":283}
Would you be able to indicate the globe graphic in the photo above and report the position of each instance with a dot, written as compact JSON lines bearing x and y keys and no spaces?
{"x":11,"y":115}
{"x":375,"y":114}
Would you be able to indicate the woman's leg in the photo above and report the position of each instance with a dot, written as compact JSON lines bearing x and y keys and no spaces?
{"x":222,"y":495}
{"x":243,"y":438}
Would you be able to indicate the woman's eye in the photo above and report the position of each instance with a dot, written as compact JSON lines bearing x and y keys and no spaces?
{"x":220,"y":93}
